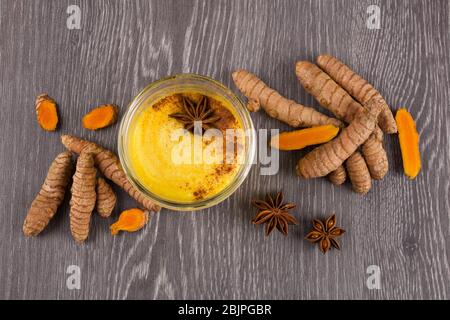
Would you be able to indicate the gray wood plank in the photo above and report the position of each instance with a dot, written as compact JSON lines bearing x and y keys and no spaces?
{"x":402,"y":226}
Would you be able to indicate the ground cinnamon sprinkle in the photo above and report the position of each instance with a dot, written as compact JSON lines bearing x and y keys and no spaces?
{"x":220,"y":170}
{"x":200,"y":193}
{"x":227,"y":119}
{"x":224,"y":169}
{"x":176,"y":98}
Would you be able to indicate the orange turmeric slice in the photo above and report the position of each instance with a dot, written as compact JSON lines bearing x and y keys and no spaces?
{"x":100,"y":117}
{"x":299,"y":139}
{"x":46,"y":112}
{"x":130,"y":220}
{"x":409,"y":143}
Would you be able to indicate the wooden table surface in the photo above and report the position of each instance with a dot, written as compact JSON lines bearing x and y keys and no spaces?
{"x":402,"y":226}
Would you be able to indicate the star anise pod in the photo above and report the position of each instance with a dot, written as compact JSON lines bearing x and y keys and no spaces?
{"x":196,"y":112}
{"x":274,"y":213}
{"x":325,"y":233}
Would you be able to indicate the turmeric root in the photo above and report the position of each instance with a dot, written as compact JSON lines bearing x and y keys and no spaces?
{"x":329,"y":156}
{"x":375,"y":155}
{"x":278,"y":107}
{"x":130,"y":220}
{"x":109,"y":165}
{"x":46,"y":112}
{"x":359,"y":88}
{"x":83,"y":198}
{"x":358,"y":173}
{"x":338,"y":176}
{"x":332,"y":97}
{"x":100,"y":117}
{"x":299,"y":139}
{"x":106,"y":198}
{"x":409,"y":143}
{"x":51,"y":195}
{"x":327,"y":92}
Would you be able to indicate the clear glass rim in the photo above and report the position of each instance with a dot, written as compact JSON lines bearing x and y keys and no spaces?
{"x":241,"y":175}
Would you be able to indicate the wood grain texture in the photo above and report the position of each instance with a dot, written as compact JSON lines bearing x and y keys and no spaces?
{"x":403,"y":226}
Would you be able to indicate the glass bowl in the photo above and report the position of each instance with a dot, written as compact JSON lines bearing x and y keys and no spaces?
{"x":177,"y":84}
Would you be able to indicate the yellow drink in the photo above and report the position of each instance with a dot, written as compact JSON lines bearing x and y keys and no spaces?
{"x":167,"y":164}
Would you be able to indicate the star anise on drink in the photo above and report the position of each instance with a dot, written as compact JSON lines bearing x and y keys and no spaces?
{"x":274,"y":213}
{"x":325,"y":233}
{"x":200,"y":112}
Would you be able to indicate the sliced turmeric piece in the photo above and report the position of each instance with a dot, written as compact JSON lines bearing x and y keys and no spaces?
{"x":46,"y":112}
{"x":299,"y":139}
{"x":130,"y":220}
{"x":100,"y":117}
{"x":409,"y":143}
